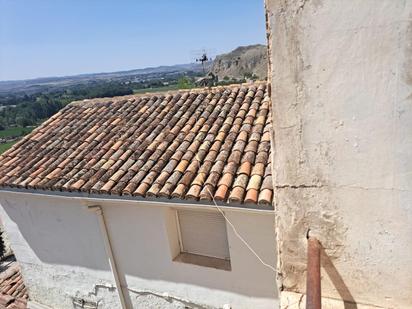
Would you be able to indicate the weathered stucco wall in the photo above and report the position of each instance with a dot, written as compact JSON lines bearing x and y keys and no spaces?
{"x":58,"y":244}
{"x":342,"y":113}
{"x":6,"y":242}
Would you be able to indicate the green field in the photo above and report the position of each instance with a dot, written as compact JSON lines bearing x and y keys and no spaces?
{"x":5,"y":146}
{"x":15,"y":131}
{"x":12,"y":132}
{"x":156,"y":89}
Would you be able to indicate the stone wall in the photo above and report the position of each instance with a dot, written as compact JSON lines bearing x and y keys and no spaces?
{"x":342,"y":116}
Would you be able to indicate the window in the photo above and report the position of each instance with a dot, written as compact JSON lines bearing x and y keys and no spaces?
{"x":203,"y":238}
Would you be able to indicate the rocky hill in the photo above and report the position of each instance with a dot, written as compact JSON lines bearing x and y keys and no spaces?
{"x":244,"y":61}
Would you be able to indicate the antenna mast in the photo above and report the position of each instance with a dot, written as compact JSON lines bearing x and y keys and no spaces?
{"x":203,"y":59}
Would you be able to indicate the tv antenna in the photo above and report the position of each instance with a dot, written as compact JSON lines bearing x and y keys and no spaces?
{"x":203,"y":59}
{"x":203,"y":56}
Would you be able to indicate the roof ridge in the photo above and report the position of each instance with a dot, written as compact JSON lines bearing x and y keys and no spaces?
{"x":105,"y":100}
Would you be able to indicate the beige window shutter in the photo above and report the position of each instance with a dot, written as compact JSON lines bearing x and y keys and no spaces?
{"x":203,"y":233}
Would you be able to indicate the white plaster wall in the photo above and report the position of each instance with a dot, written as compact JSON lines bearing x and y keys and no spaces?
{"x":6,"y":242}
{"x":57,"y":241}
{"x":342,"y":113}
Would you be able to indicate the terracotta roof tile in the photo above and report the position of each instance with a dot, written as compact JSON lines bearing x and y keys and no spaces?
{"x":221,"y":193}
{"x":251,"y":196}
{"x":13,"y":293}
{"x":265,"y":197}
{"x":237,"y":195}
{"x":245,"y":168}
{"x":241,"y":181}
{"x":194,"y":192}
{"x":198,"y":144}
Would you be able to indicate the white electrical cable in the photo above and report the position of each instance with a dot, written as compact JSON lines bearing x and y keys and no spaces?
{"x":235,"y":230}
{"x":166,"y":296}
{"x":240,"y":237}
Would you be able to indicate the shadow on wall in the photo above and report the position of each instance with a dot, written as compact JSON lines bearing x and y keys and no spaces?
{"x":337,"y":281}
{"x":55,"y":234}
{"x":62,"y":232}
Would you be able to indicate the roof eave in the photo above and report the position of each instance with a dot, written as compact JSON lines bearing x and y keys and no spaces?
{"x":90,"y":197}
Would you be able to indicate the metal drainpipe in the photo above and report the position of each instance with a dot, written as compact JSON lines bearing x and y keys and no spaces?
{"x":103,"y":230}
{"x":313,"y":289}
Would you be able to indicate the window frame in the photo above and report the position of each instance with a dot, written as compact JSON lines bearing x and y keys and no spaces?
{"x":185,"y":256}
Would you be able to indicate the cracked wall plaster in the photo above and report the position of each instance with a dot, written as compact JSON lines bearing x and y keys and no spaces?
{"x":342,"y":122}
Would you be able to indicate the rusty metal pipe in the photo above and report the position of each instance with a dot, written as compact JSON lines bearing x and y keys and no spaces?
{"x":313,"y":289}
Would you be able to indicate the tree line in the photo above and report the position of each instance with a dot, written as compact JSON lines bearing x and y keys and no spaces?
{"x":27,"y":110}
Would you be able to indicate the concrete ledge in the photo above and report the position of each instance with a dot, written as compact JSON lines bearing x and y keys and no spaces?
{"x":291,"y":300}
{"x":35,"y":305}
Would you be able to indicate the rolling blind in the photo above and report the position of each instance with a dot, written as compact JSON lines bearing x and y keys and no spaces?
{"x":203,"y":233}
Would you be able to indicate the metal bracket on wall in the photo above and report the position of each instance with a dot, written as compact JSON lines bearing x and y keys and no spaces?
{"x":86,"y":304}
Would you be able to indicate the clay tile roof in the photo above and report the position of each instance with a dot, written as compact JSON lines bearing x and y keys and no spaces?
{"x":13,"y":293}
{"x":199,"y":144}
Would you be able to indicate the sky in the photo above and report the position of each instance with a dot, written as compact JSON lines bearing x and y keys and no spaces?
{"x":41,"y":38}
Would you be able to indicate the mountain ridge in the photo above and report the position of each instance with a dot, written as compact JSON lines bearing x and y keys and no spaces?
{"x":243,"y":62}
